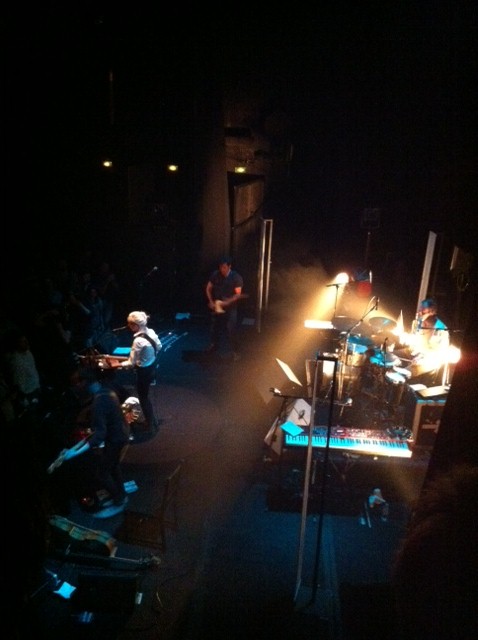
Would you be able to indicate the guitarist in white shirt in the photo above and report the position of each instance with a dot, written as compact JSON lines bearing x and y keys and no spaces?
{"x":142,"y":358}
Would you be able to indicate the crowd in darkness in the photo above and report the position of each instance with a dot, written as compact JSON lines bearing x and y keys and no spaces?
{"x":56,"y":313}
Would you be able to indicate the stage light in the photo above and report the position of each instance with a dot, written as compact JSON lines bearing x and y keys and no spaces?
{"x":342,"y":278}
{"x":318,"y":324}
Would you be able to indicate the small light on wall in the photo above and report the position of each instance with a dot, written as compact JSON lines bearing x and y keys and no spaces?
{"x":240,"y":169}
{"x":107,"y":163}
{"x":173,"y":167}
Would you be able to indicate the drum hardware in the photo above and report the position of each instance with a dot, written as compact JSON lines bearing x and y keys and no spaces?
{"x":399,"y":432}
{"x":381,"y":388}
{"x":397,"y":382}
{"x":354,"y":349}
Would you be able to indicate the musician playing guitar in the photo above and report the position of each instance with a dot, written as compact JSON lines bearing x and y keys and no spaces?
{"x":109,"y":436}
{"x":223,"y":292}
{"x":143,"y":358}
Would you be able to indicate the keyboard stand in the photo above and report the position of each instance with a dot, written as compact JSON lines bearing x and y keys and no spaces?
{"x":351,"y":460}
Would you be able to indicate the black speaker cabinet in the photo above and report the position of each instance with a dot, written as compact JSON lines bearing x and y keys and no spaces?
{"x":422,"y":417}
{"x":109,"y":593}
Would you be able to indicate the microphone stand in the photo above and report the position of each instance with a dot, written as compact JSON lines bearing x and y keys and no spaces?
{"x":336,"y":285}
{"x":307,"y":484}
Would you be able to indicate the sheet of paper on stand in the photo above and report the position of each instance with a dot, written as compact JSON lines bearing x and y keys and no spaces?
{"x":291,"y":428}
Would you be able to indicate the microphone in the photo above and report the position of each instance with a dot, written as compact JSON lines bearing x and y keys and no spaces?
{"x":152,"y":271}
{"x":377,"y":300}
{"x":334,"y":284}
{"x":119,"y":328}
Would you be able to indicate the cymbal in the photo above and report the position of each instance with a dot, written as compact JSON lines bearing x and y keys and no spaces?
{"x":343,"y":323}
{"x":381,"y":324}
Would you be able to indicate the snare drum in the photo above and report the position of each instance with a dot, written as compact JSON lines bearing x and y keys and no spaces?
{"x":396,"y":384}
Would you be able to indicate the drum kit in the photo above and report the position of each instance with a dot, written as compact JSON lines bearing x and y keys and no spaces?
{"x":367,"y":346}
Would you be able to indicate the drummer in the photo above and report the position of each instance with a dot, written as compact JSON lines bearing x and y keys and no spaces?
{"x":429,"y":342}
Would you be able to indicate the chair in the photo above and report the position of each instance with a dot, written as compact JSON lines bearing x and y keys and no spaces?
{"x":149,"y":528}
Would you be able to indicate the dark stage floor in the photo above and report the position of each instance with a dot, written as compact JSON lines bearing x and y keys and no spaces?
{"x":244,"y":558}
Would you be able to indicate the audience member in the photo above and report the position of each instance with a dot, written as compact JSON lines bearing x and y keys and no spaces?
{"x":7,"y":401}
{"x":50,"y":339}
{"x":87,"y":319}
{"x":108,"y":288}
{"x":435,"y":575}
{"x":23,"y":375}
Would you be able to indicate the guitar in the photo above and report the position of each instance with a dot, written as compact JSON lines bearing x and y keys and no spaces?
{"x":111,"y":362}
{"x":220,"y":306}
{"x":75,"y":542}
{"x":60,"y":459}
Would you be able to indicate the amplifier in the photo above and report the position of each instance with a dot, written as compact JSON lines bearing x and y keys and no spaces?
{"x":422,"y":416}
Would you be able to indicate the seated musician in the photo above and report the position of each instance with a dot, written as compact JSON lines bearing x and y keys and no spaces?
{"x":429,"y":342}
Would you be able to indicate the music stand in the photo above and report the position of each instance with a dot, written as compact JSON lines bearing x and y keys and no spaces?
{"x":288,"y":372}
{"x":283,"y":420}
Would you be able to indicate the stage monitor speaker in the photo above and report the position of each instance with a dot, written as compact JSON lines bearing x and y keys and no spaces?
{"x":422,"y":417}
{"x":107,"y":593}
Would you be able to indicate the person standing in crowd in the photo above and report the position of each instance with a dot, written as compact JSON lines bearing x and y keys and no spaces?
{"x":109,"y":290}
{"x":109,"y":436}
{"x":142,"y":358}
{"x":87,"y":318}
{"x":223,"y":291}
{"x":23,"y":375}
{"x":434,"y":575}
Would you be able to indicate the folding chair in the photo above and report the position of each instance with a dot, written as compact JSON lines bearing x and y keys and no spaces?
{"x":149,"y":528}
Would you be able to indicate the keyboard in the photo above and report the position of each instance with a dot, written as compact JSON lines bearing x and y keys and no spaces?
{"x":352,"y":440}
